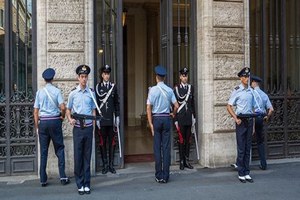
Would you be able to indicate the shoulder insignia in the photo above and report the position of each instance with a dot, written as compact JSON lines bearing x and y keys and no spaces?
{"x":92,"y":89}
{"x":237,"y":87}
{"x":73,"y":89}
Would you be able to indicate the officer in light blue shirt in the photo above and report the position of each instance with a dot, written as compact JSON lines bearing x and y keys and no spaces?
{"x":264,"y":107}
{"x":81,"y":102}
{"x":159,"y":100}
{"x":49,"y":111}
{"x":242,"y":98}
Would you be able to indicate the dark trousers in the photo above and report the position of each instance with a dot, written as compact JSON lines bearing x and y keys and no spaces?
{"x":161,"y":147}
{"x":186,"y":133}
{"x":244,"y":140}
{"x":107,"y":136}
{"x":259,"y":131}
{"x":82,"y":139}
{"x":51,"y":130}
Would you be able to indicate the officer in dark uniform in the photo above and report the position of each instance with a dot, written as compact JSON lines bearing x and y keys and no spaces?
{"x":184,"y":119}
{"x":265,"y":109}
{"x":49,"y":112}
{"x":242,"y":98}
{"x":81,"y":101}
{"x":159,"y":116}
{"x":108,"y":101}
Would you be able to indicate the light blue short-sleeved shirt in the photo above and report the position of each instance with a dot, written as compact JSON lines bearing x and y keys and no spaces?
{"x":46,"y":106}
{"x":262,"y":101}
{"x":243,"y":99}
{"x":160,"y":97}
{"x":81,"y":101}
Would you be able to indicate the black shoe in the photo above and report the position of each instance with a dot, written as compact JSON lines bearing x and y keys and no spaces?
{"x":242,"y":179}
{"x":158,"y":180}
{"x":262,"y":167}
{"x":234,"y":166}
{"x":188,"y":165}
{"x":44,"y":184}
{"x":112,"y":169}
{"x":65,"y":181}
{"x":104,"y":170}
{"x":81,"y":191}
{"x":164,"y":181}
{"x":181,"y":165}
{"x":87,"y":190}
{"x":249,"y":179}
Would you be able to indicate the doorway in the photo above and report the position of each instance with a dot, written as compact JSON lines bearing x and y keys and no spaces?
{"x":141,"y":54}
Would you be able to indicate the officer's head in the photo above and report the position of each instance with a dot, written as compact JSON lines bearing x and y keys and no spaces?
{"x":83,"y":71}
{"x":48,"y":74}
{"x":255,"y":80}
{"x":105,"y":72}
{"x":184,"y":74}
{"x":245,"y":72}
{"x":244,"y":75}
{"x":160,"y":72}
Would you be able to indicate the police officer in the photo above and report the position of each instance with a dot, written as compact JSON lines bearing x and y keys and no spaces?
{"x":264,"y":108}
{"x":108,"y":101}
{"x":49,"y":112}
{"x":242,"y":98}
{"x":159,"y":117}
{"x":80,"y":101}
{"x":184,"y":119}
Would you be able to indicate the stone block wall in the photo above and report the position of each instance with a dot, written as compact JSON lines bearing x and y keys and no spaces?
{"x":64,"y":41}
{"x":222,"y":31}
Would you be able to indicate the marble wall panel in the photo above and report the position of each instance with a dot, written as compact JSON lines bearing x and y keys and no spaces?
{"x":228,"y":14}
{"x":65,"y":63}
{"x":227,"y":65}
{"x":66,"y":37}
{"x":229,"y":40}
{"x":223,"y":121}
{"x":66,"y":10}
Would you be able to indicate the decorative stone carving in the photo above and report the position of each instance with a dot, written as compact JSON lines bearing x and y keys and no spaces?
{"x":227,"y":65}
{"x":229,"y":40}
{"x":66,"y":10}
{"x":223,"y":90}
{"x":228,"y":14}
{"x":65,"y":64}
{"x":65,"y":37}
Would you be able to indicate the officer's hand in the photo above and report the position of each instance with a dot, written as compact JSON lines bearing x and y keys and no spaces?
{"x":72,"y":122}
{"x":238,"y":121}
{"x":98,"y":124}
{"x":266,"y":119}
{"x":176,"y":123}
{"x":152,"y":129}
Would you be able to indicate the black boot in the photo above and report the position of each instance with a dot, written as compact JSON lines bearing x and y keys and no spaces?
{"x":104,"y":159}
{"x":111,"y":160}
{"x":181,"y":157}
{"x":186,"y":157}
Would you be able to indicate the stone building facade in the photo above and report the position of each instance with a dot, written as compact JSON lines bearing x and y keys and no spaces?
{"x":65,"y":39}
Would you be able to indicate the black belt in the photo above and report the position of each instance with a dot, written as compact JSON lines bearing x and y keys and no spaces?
{"x":161,"y":114}
{"x":249,"y":116}
{"x":49,"y":118}
{"x":82,"y":119}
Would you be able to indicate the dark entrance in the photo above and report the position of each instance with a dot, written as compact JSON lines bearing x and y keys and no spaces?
{"x":18,"y":153}
{"x":275,"y":53}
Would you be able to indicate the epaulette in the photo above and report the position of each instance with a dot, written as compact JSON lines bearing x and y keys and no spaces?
{"x":237,"y":87}
{"x":73,"y":89}
{"x":92,"y":89}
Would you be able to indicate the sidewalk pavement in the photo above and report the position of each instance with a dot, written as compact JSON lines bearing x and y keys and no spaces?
{"x":136,"y":181}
